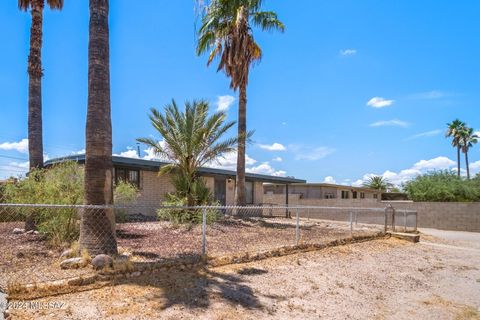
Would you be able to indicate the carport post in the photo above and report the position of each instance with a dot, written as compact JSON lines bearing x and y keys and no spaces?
{"x":297,"y":227}
{"x":204,"y":232}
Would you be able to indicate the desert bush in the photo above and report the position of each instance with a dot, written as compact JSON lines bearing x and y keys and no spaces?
{"x":184,"y":216}
{"x":125,"y":194}
{"x":443,"y":186}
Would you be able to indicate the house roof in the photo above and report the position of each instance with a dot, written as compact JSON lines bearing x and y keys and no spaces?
{"x":154,"y":165}
{"x":331,"y":185}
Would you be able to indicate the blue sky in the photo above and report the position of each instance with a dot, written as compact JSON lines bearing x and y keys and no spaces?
{"x":351,"y":88}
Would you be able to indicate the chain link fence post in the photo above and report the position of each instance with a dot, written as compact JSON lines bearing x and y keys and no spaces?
{"x":204,"y":232}
{"x":297,"y":227}
{"x":351,"y":224}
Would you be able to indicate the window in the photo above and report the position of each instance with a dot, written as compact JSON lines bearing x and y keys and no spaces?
{"x":354,"y":194}
{"x":345,"y":194}
{"x":329,"y":195}
{"x":249,"y":192}
{"x":375,"y":196}
{"x":362,"y":195}
{"x":128,"y":175}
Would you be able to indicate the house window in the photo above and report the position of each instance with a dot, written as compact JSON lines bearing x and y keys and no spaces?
{"x":354,"y":194}
{"x":249,"y":192}
{"x":128,"y":175}
{"x":329,"y":196}
{"x":375,"y":196}
{"x":345,"y":194}
{"x":362,"y":195}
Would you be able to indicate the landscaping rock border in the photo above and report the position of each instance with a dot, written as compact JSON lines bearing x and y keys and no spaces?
{"x":109,"y":276}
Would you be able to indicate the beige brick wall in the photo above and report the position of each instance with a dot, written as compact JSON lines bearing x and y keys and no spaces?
{"x":461,"y":216}
{"x":230,"y":196}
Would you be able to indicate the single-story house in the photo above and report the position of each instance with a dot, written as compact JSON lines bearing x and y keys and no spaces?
{"x":153,"y":187}
{"x":322,"y":191}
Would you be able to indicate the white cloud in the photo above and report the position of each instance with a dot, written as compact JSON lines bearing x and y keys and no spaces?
{"x":224,"y":102}
{"x":273,"y":147}
{"x":425,"y":134}
{"x":127,"y":154}
{"x":329,"y":179}
{"x":20,"y":146}
{"x":390,"y":123}
{"x":266,"y":168}
{"x":277,"y":159}
{"x":429,"y":95}
{"x":82,"y":151}
{"x":421,"y":167}
{"x":348,"y":52}
{"x":379,"y":102}
{"x":313,"y":154}
{"x":229,"y":162}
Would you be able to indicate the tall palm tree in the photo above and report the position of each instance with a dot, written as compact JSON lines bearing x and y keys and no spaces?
{"x":467,"y":139}
{"x":226,"y":33}
{"x":35,"y":73}
{"x":192,"y":139}
{"x":454,"y":129}
{"x":97,"y":231}
{"x":378,"y":183}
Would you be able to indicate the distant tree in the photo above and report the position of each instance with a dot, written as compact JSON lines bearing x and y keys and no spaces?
{"x":454,"y":131}
{"x":35,"y":73}
{"x":443,"y":186}
{"x":467,"y":139}
{"x":226,"y":32}
{"x":191,"y":139}
{"x":378,"y":183}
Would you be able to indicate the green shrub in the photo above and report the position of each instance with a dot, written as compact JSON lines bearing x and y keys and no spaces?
{"x":443,"y":186}
{"x":184,"y":216}
{"x":125,"y":194}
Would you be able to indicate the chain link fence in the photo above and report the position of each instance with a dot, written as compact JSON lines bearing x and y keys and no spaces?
{"x":41,"y":242}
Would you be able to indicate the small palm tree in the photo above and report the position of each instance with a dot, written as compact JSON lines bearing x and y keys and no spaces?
{"x":226,"y":33}
{"x":378,"y":183}
{"x":35,"y":73}
{"x":191,"y":139}
{"x":454,"y":131}
{"x":467,"y":139}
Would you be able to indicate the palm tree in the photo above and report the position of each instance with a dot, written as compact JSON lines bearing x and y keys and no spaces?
{"x":97,"y":231}
{"x":453,"y":131}
{"x":378,"y":183}
{"x":35,"y":73}
{"x":467,"y":139}
{"x":226,"y":33}
{"x":191,"y":139}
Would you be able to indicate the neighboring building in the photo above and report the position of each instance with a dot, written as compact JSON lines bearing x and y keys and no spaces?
{"x":152,"y":187}
{"x":322,"y":191}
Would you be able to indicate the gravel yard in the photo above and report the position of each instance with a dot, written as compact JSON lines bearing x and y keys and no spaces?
{"x":438,"y":278}
{"x":27,"y":258}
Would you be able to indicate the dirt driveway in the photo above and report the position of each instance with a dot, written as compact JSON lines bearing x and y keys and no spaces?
{"x":381,"y":279}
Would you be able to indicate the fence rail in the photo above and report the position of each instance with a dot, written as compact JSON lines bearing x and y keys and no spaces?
{"x":149,"y":234}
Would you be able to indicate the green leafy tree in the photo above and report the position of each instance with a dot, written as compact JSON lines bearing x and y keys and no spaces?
{"x":378,"y":183}
{"x":191,"y":139}
{"x":467,"y":139}
{"x":443,"y":186}
{"x":35,"y":73}
{"x":226,"y":32}
{"x":454,"y":130}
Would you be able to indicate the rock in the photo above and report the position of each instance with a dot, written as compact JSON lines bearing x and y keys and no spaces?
{"x":29,"y":232}
{"x":73,"y":263}
{"x":101,"y":261}
{"x":122,"y":258}
{"x":18,"y":231}
{"x":67,"y":253}
{"x":20,"y":255}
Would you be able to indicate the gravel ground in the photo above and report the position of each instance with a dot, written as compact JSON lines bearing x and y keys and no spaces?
{"x":381,"y":279}
{"x":27,"y":258}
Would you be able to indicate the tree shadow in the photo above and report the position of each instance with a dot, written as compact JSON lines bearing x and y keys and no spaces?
{"x":196,"y":287}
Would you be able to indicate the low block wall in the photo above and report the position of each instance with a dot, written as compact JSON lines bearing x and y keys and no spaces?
{"x":459,"y":216}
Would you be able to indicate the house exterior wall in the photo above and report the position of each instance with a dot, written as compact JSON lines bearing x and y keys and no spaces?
{"x":315,"y":191}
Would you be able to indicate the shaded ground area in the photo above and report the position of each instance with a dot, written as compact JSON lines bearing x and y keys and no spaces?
{"x":381,"y":279}
{"x":27,"y":258}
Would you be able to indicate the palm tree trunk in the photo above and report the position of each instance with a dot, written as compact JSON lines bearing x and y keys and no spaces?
{"x":35,"y":144}
{"x":97,"y":232}
{"x":458,"y":161}
{"x":468,"y":166}
{"x":240,"y":198}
